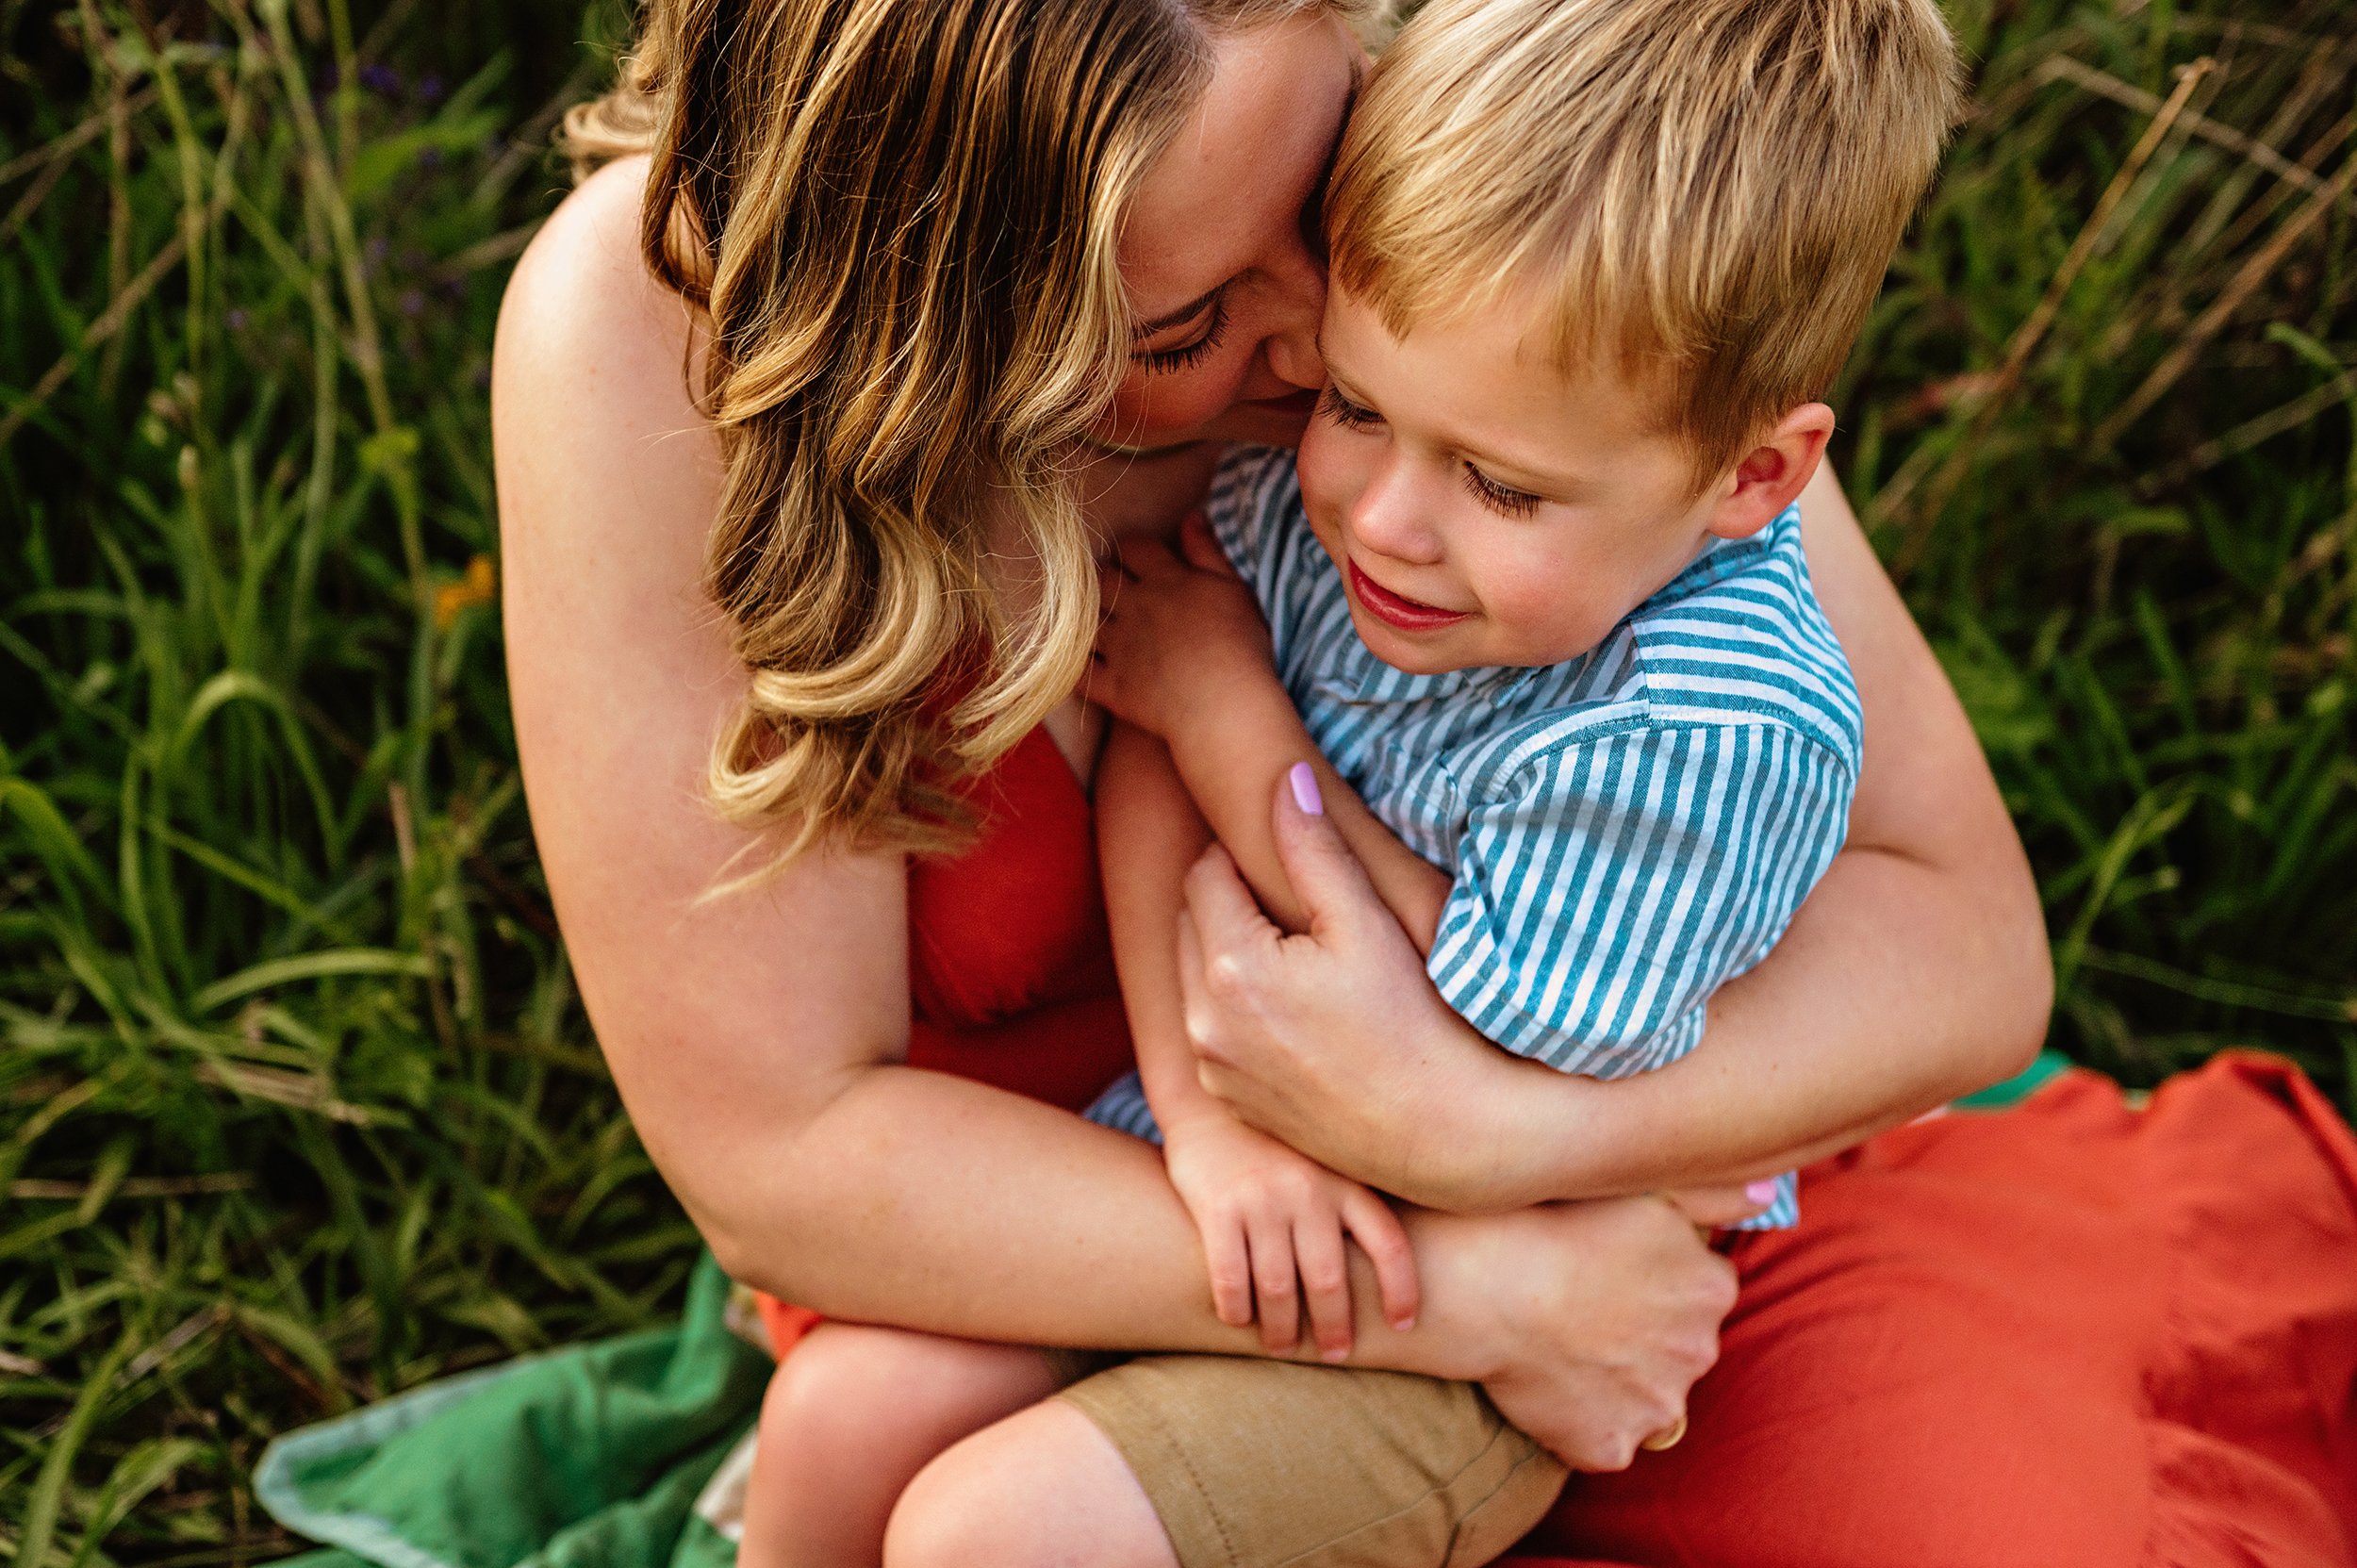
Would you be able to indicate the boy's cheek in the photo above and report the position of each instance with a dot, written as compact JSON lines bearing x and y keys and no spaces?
{"x":1550,"y":610}
{"x":1325,"y":471}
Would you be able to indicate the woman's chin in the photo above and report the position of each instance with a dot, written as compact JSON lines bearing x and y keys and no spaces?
{"x":1278,"y":422}
{"x":1264,"y":422}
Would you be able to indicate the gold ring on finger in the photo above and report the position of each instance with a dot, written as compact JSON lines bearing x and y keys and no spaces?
{"x":1667,"y":1437}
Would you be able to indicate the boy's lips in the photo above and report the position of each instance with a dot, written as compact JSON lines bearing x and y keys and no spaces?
{"x":1408,"y":615}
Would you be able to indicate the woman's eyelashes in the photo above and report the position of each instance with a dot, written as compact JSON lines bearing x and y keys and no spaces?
{"x":1187,"y":356}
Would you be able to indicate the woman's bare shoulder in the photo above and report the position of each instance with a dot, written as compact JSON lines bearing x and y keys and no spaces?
{"x":592,"y":352}
{"x":584,"y":267}
{"x":606,"y":467}
{"x":620,"y":673}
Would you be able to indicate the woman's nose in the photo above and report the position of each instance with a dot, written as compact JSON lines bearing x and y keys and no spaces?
{"x":1297,"y":283}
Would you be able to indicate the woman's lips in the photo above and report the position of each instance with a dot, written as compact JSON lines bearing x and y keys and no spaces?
{"x":1408,"y":615}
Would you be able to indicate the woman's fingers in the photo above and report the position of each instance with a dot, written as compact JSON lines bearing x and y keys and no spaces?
{"x":1384,"y":1240}
{"x":1220,"y":928}
{"x":1325,"y":1282}
{"x":1274,"y":1283}
{"x":1327,"y":877}
{"x":1226,"y":916}
{"x":1711,"y":1207}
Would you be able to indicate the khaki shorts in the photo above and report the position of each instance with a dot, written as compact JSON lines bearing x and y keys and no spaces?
{"x":1256,"y":1464}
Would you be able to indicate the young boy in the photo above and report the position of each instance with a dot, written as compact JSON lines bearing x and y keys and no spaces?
{"x":1539,"y":640}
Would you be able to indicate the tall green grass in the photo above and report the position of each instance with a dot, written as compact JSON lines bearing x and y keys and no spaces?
{"x":297,"y":1107}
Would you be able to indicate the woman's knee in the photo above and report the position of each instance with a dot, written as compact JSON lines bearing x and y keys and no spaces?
{"x":1042,"y":1489}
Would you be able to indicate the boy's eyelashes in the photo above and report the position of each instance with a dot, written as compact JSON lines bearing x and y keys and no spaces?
{"x":1502,"y":499}
{"x":1187,"y":356}
{"x":1349,"y":415}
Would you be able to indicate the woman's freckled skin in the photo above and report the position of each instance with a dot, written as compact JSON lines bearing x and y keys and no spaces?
{"x":1276,"y":104}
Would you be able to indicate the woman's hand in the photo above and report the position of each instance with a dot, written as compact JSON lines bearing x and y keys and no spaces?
{"x":1336,"y":1042}
{"x":1270,"y":1217}
{"x":1600,"y":1316}
{"x":1180,"y":629}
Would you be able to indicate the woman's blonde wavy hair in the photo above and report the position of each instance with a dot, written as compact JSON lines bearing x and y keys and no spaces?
{"x":900,"y":219}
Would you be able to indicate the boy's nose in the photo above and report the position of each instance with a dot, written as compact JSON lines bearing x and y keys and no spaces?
{"x":1391,"y":517}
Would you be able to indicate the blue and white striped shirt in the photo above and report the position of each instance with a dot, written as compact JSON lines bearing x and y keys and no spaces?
{"x":1628,"y":831}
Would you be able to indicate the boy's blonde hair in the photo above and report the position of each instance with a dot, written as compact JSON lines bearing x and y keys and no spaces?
{"x":1710,"y":189}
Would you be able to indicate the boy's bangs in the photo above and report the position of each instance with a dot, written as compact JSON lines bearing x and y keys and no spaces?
{"x":1706,"y":192}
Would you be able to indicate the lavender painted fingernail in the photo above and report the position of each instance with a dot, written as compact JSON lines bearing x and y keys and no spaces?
{"x":1760,"y":1192}
{"x":1304,"y":780}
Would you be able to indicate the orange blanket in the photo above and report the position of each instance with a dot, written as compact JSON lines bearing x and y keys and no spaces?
{"x":2071,"y":1335}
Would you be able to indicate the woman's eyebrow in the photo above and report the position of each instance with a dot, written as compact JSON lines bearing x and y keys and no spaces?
{"x":1186,"y":312}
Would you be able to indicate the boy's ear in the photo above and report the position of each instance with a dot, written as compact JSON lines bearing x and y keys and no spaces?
{"x":1767,"y":477}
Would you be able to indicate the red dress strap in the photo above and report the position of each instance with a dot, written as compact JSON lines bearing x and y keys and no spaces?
{"x":1011,"y":966}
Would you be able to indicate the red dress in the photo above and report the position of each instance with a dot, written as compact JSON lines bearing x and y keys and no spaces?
{"x":1011,"y":966}
{"x":2071,"y":1335}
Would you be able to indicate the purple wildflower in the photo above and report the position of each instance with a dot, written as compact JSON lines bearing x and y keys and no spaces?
{"x":380,"y":78}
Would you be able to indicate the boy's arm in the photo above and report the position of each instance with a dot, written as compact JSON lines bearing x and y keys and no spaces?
{"x":1184,"y":655}
{"x":1147,"y":834}
{"x":1272,"y":1221}
{"x":1234,"y":756}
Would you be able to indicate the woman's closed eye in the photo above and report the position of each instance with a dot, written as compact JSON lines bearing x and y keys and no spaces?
{"x":1187,"y":354}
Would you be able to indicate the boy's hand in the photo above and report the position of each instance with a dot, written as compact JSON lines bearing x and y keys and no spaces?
{"x":1269,"y":1217}
{"x":1179,"y":628}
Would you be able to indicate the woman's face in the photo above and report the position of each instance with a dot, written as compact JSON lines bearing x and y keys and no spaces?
{"x":1221,"y":255}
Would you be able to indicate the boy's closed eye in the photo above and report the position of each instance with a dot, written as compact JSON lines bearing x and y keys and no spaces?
{"x":1499,"y":497}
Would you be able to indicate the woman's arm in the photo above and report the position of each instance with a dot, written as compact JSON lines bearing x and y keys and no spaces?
{"x":1916,"y":971}
{"x":756,"y":1039}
